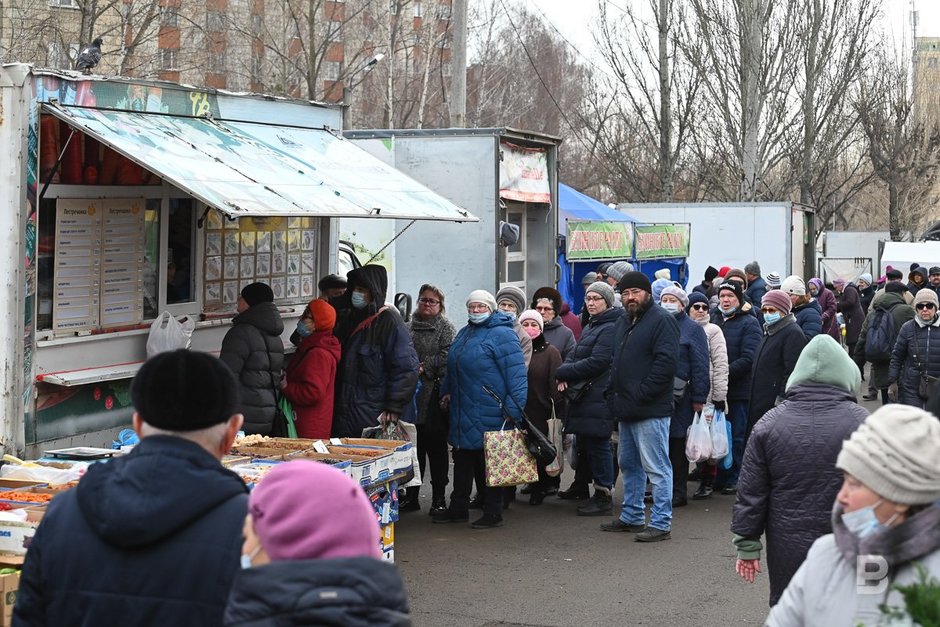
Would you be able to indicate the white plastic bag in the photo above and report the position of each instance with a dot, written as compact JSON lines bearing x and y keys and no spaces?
{"x":169,"y":334}
{"x":719,"y":433}
{"x":698,"y":443}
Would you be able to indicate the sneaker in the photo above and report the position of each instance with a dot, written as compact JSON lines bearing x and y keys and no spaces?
{"x":450,"y":516}
{"x":551,"y":490}
{"x":704,"y":491}
{"x":438,"y":505}
{"x":410,"y":505}
{"x":870,"y":397}
{"x":574,"y":493}
{"x":599,"y":505}
{"x":651,"y":534}
{"x":729,"y":490}
{"x":487,"y":522}
{"x":619,"y":526}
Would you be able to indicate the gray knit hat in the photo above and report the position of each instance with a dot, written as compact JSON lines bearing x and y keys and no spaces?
{"x":602,"y":289}
{"x":514,"y":295}
{"x":588,"y":278}
{"x":773,"y":280}
{"x":617,"y":270}
{"x":895,"y":453}
{"x":482,"y":296}
{"x":678,"y":292}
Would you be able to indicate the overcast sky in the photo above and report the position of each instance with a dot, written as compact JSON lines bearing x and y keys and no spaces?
{"x":573,"y":18}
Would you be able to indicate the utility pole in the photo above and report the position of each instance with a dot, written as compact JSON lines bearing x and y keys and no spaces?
{"x":458,"y":88}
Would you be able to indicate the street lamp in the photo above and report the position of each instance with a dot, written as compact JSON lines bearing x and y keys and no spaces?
{"x":349,"y":85}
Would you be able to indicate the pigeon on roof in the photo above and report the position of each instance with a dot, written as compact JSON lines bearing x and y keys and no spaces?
{"x":89,"y":56}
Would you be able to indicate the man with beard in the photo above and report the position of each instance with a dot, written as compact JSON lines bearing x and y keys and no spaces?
{"x":640,"y":397}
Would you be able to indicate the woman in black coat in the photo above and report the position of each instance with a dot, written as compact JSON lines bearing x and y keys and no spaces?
{"x":775,"y":357}
{"x":917,"y":351}
{"x":588,"y":417}
{"x":789,"y":479}
{"x":850,"y":306}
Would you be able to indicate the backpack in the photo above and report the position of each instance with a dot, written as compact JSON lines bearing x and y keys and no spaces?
{"x":881,"y":336}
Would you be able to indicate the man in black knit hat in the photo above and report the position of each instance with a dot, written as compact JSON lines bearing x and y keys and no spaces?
{"x":640,"y":397}
{"x":153,"y":537}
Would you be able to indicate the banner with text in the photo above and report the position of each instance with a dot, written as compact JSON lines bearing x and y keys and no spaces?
{"x":523,"y":174}
{"x":599,"y":240}
{"x":656,"y":241}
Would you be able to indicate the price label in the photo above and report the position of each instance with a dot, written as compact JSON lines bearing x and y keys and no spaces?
{"x":320,"y":447}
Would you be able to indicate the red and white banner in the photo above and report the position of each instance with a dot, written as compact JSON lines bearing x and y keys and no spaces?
{"x":523,"y":174}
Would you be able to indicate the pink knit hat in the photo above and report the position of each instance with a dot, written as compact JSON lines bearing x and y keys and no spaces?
{"x":779,"y":300}
{"x":309,"y":510}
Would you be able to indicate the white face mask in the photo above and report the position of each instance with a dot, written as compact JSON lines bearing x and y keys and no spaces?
{"x":864,"y":522}
{"x":245,"y":560}
{"x":670,"y":307}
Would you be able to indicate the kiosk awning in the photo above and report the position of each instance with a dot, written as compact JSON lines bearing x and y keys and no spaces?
{"x":250,"y":169}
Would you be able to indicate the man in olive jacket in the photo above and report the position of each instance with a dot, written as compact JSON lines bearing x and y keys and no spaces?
{"x":640,"y":397}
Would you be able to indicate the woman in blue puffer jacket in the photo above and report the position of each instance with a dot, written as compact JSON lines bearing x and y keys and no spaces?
{"x":485,"y":354}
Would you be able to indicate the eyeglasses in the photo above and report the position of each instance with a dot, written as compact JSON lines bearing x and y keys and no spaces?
{"x":591,"y":299}
{"x":700,"y":307}
{"x":926,"y":306}
{"x":768,"y":310}
{"x":429,"y":301}
{"x":544,"y":308}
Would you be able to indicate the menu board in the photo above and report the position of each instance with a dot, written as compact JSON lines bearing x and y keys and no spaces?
{"x":99,"y":264}
{"x":278,"y":251}
{"x":76,"y":302}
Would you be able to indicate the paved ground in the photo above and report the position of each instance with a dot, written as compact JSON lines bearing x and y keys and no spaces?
{"x":548,"y":567}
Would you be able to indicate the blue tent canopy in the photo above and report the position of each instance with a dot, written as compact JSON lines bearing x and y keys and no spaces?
{"x":574,"y":205}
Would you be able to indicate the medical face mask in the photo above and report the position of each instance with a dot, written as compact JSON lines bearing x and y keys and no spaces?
{"x":302,"y":329}
{"x":533,"y":332}
{"x":245,"y":560}
{"x":358,"y":300}
{"x":670,"y":307}
{"x":727,"y":311}
{"x":478,"y":318}
{"x":511,"y":314}
{"x":864,"y":522}
{"x":771,"y":318}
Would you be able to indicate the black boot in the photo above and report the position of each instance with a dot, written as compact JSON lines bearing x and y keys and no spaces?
{"x":599,"y":505}
{"x":438,"y":502}
{"x":575,"y":492}
{"x":410,"y":502}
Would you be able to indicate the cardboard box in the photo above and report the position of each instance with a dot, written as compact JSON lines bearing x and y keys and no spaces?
{"x":20,"y":484}
{"x":401,"y":451}
{"x":9,"y":585}
{"x":16,"y":536}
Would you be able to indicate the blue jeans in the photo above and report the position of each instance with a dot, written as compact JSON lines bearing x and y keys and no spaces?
{"x":602,"y":459}
{"x":644,"y":452}
{"x":737,"y":416}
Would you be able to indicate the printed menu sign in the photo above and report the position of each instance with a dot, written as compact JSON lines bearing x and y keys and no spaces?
{"x":99,"y":264}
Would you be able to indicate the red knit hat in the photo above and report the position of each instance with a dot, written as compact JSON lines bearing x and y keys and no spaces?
{"x":723,"y":270}
{"x":323,"y":314}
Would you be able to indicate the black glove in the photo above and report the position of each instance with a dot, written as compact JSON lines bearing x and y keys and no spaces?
{"x":719,"y":405}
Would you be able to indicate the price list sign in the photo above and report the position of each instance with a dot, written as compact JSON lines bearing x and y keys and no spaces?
{"x":99,"y":264}
{"x":77,"y":285}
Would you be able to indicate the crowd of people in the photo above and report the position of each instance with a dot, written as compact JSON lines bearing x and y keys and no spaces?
{"x":815,"y":478}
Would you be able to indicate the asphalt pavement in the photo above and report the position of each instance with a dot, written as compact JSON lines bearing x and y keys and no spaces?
{"x":548,"y":567}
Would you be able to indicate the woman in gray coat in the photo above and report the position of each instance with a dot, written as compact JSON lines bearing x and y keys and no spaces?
{"x":788,"y":477}
{"x":884,"y":525}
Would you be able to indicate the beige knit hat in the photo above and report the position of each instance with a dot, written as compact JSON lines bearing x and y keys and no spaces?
{"x":793,"y":285}
{"x":896,"y":453}
{"x":926,"y":295}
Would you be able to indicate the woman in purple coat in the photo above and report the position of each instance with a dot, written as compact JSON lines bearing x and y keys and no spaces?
{"x":827,"y":302}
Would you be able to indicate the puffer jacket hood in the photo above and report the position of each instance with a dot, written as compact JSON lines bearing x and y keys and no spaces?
{"x":263,"y":316}
{"x":372,"y":277}
{"x":824,"y":361}
{"x":164,"y":485}
{"x":353,"y":592}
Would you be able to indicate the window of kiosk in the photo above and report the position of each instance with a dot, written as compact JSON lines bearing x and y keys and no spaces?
{"x":279,"y":251}
{"x":101,"y":262}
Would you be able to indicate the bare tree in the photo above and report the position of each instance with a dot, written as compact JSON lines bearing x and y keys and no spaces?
{"x":904,"y":150}
{"x":745,"y":58}
{"x":652,"y":80}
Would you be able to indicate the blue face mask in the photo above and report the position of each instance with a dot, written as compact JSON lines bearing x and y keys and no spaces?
{"x":358,"y":300}
{"x":478,"y":318}
{"x":302,"y":329}
{"x":771,"y":318}
{"x":728,"y":311}
{"x":864,"y":522}
{"x":511,"y":314}
{"x":670,"y":307}
{"x":245,"y":560}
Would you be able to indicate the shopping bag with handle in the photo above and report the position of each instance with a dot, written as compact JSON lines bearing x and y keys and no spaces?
{"x":719,"y":433}
{"x":507,"y":459}
{"x":698,"y":443}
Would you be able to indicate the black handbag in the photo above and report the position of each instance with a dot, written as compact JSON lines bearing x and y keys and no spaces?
{"x":538,"y":444}
{"x":575,"y":392}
